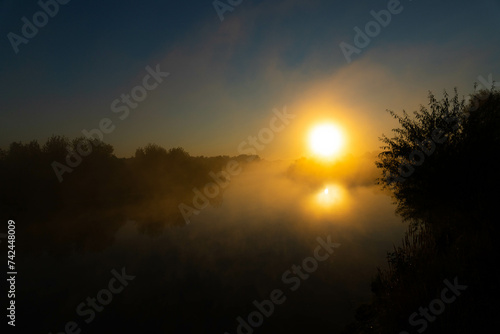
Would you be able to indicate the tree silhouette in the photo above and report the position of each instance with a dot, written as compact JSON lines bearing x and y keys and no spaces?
{"x":101,"y":192}
{"x":440,"y":167}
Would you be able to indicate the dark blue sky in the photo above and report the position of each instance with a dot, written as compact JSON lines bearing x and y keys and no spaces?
{"x":226,"y":77}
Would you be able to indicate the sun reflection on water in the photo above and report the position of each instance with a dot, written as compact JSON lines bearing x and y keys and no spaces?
{"x":330,"y":196}
{"x":331,"y":202}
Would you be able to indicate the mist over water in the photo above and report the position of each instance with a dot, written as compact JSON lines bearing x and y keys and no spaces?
{"x":202,"y":276}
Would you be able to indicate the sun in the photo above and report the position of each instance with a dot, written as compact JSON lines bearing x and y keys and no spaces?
{"x":326,"y":140}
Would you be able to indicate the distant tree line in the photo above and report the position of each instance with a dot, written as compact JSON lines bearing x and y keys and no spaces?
{"x":98,"y":196}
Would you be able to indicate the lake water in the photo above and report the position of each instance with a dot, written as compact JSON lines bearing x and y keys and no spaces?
{"x":200,"y":278}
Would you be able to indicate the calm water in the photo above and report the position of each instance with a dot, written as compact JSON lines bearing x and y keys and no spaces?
{"x":201,"y":277}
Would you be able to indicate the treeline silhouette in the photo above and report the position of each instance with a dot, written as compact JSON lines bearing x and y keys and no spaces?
{"x":101,"y":193}
{"x":441,"y":169}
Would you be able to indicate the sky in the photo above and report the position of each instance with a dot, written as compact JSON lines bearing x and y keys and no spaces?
{"x":225,"y":77}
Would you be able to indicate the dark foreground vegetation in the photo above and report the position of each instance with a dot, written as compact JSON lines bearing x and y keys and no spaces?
{"x":441,"y":168}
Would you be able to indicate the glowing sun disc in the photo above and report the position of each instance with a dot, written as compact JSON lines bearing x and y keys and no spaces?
{"x":326,"y":140}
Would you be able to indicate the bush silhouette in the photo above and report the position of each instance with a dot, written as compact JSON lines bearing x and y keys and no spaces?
{"x":439,"y":164}
{"x":440,"y":169}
